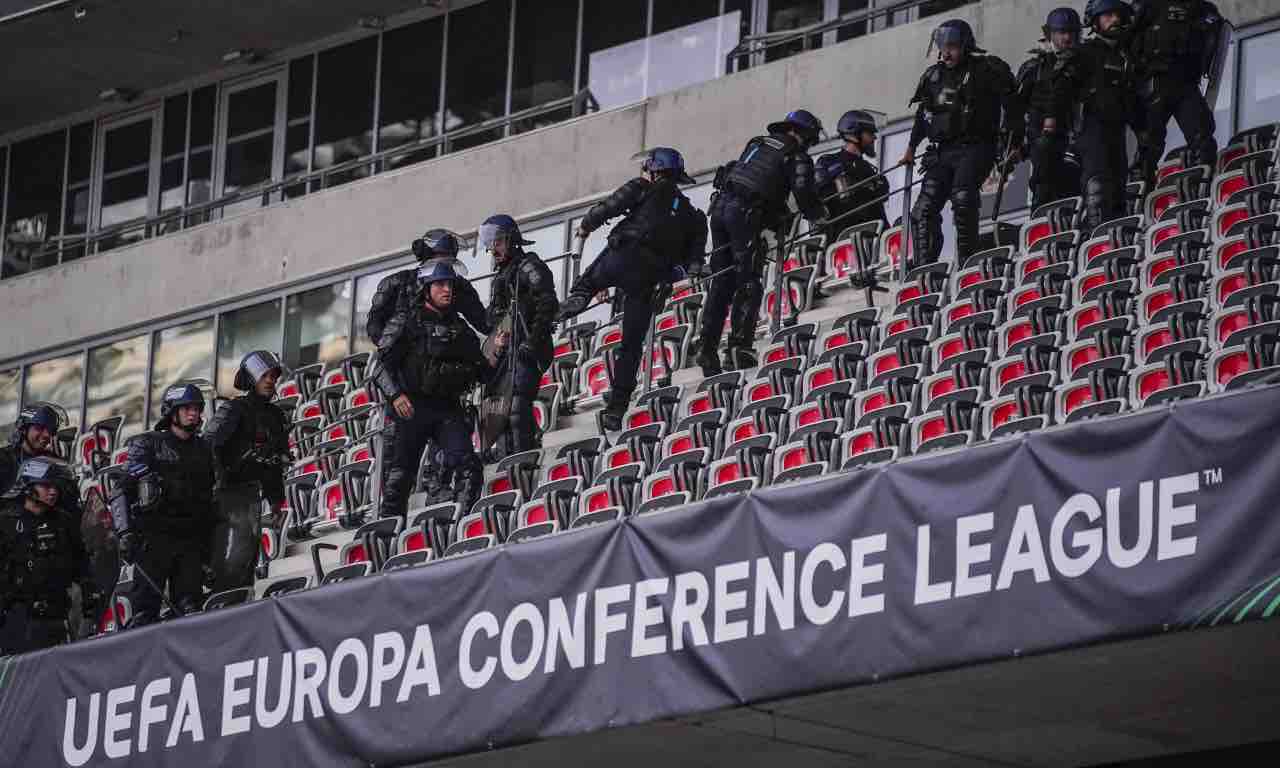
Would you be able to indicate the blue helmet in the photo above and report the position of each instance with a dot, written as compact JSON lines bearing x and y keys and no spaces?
{"x":41,"y":470}
{"x":955,"y":32}
{"x":666,"y":159}
{"x":1062,"y":20}
{"x":1095,"y":8}
{"x":175,"y":397}
{"x":437,"y":242}
{"x":854,"y":122}
{"x":801,"y":121}
{"x":435,"y":270}
{"x":39,"y":415}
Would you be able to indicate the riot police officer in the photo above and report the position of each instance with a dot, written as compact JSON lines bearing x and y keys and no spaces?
{"x":961,"y":100}
{"x":660,"y":239}
{"x":1175,"y":43}
{"x":848,"y":167}
{"x":41,"y":556}
{"x":523,"y":302}
{"x":163,"y":512}
{"x":430,"y":360}
{"x":33,"y":435}
{"x":1098,"y":78}
{"x":399,"y":289}
{"x":250,"y":439}
{"x":1055,"y":169}
{"x":752,"y":197}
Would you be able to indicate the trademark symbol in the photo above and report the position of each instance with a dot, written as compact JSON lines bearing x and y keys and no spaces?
{"x":1213,"y":476}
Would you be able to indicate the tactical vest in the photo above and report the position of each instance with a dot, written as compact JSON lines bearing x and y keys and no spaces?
{"x":38,"y":556}
{"x":441,"y":359}
{"x":1036,"y":82}
{"x":758,"y":176}
{"x":948,"y":99}
{"x":1177,"y":32}
{"x":1109,"y":93}
{"x":184,"y":471}
{"x":657,"y":222}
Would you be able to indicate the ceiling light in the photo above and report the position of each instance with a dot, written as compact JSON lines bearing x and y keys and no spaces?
{"x":372,"y":22}
{"x":240,"y":55}
{"x":118,"y":94}
{"x":80,"y":12}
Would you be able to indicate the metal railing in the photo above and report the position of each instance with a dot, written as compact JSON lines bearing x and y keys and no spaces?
{"x":59,"y":249}
{"x":754,"y":49}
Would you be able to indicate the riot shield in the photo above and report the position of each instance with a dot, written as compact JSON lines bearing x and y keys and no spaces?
{"x":495,"y":407}
{"x":237,"y":535}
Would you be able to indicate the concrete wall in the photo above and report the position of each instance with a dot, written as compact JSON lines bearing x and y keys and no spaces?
{"x":367,"y":220}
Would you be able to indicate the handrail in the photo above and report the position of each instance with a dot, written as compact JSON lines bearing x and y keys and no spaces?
{"x":581,"y":103}
{"x":762,"y":42}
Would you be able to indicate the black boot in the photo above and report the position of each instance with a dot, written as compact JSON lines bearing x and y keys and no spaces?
{"x":709,"y":363}
{"x":578,"y":300}
{"x":616,"y":404}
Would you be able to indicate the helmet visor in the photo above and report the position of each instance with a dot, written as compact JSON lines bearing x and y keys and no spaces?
{"x":944,"y":36}
{"x":429,"y":266}
{"x":491,"y":235}
{"x":259,"y":364}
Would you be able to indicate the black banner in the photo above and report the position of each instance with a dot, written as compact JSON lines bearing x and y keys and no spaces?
{"x":1136,"y":525}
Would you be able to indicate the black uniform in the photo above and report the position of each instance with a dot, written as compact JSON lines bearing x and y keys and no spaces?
{"x":177,"y":530}
{"x":960,"y":112}
{"x":398,"y":290}
{"x":853,"y":169}
{"x":527,"y":279}
{"x":1055,"y":169}
{"x":661,"y":235}
{"x":434,"y":359}
{"x":1097,"y":77}
{"x":40,"y":557}
{"x":250,"y":440}
{"x":1172,"y":43}
{"x":751,"y":199}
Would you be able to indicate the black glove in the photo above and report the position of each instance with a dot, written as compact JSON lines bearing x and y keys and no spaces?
{"x":698,"y":269}
{"x":130,"y":546}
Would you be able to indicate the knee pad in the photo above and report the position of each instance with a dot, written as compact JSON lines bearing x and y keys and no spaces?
{"x":965,"y":203}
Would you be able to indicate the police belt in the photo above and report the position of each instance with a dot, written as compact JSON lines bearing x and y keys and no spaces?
{"x":743,"y":195}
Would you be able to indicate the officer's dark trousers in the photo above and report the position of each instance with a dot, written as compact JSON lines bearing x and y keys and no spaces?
{"x":1101,"y":145}
{"x":529,"y":367}
{"x":1052,"y":177}
{"x":1166,"y":97}
{"x":735,"y":229}
{"x":169,"y":560}
{"x":24,"y":631}
{"x":954,"y":173}
{"x":433,"y":419}
{"x":636,"y":272}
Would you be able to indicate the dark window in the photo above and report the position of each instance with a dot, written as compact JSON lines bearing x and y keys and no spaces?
{"x":251,"y":110}
{"x":850,"y":31}
{"x":546,"y":40}
{"x":317,"y":325}
{"x":38,"y":162}
{"x":606,"y":23}
{"x":242,"y":331}
{"x":175,"y":125}
{"x":200,"y":177}
{"x":128,"y":146}
{"x":249,"y":162}
{"x":4,"y":168}
{"x":250,"y":137}
{"x":673,"y":14}
{"x":793,"y":14}
{"x":939,"y":6}
{"x":476,"y":83}
{"x":79,"y":169}
{"x":344,"y":106}
{"x":80,"y":155}
{"x":203,"y":106}
{"x":171,"y":186}
{"x":410,"y":96}
{"x":300,"y":71}
{"x":126,"y":163}
{"x":296,"y":151}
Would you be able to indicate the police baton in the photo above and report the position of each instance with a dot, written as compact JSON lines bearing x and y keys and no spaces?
{"x":864,"y":182}
{"x":138,"y":569}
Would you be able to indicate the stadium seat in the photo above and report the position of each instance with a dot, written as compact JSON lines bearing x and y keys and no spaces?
{"x":285,"y":586}
{"x":347,"y":573}
{"x":228,"y":598}
{"x":1248,"y":364}
{"x":470,"y":534}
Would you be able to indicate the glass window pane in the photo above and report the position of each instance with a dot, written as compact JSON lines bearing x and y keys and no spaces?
{"x":1260,"y":91}
{"x":851,"y":31}
{"x":203,"y":105}
{"x":300,"y":77}
{"x":80,"y":157}
{"x":548,"y":243}
{"x":248,"y":162}
{"x":9,"y":396}
{"x":690,"y":54}
{"x":38,"y":162}
{"x":200,"y":177}
{"x":671,"y":14}
{"x":317,"y":325}
{"x":175,"y":125}
{"x":124,"y":198}
{"x":57,"y":381}
{"x":252,"y":109}
{"x":4,"y":162}
{"x":606,"y":23}
{"x":297,"y":140}
{"x":410,"y":84}
{"x":596,"y":242}
{"x":127,"y":146}
{"x":476,"y":83}
{"x":171,"y":184}
{"x":181,"y":352}
{"x":613,"y":72}
{"x":365,"y":288}
{"x":793,"y":14}
{"x":344,"y":103}
{"x":241,"y":332}
{"x":77,"y":214}
{"x":546,"y":38}
{"x":117,"y":382}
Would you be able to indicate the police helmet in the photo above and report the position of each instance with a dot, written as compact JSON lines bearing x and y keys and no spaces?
{"x":666,"y":159}
{"x":803,"y":122}
{"x":435,"y":270}
{"x":176,"y":396}
{"x":35,"y":416}
{"x":254,"y":366}
{"x":955,"y":32}
{"x":500,"y":226}
{"x":41,"y":470}
{"x":1095,"y":8}
{"x":1062,"y":20}
{"x":854,"y":122}
{"x":437,"y":242}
